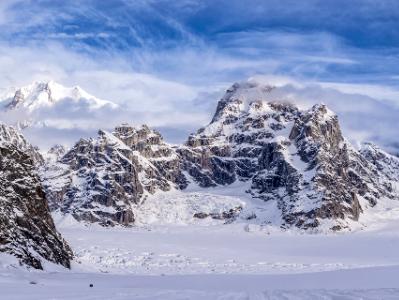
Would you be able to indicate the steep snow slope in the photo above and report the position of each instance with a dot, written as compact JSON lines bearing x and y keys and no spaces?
{"x":385,"y":163}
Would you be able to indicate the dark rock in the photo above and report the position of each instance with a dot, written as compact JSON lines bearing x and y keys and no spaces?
{"x":27,"y":230}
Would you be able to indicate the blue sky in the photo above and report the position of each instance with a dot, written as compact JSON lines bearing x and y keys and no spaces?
{"x":178,"y":56}
{"x":354,"y":41}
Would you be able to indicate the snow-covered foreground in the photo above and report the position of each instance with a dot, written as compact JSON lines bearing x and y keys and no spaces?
{"x":372,"y":283}
{"x":225,"y":249}
{"x":206,"y":259}
{"x":215,"y":262}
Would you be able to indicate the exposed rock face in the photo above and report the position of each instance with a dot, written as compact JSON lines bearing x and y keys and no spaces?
{"x":298,"y":158}
{"x":27,"y":230}
{"x":100,"y":180}
{"x":163,"y":170}
{"x":13,"y":137}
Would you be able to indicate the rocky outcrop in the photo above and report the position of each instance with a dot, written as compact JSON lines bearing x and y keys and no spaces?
{"x":228,"y":216}
{"x":27,"y":230}
{"x":162,"y":171}
{"x":12,"y":137}
{"x":101,"y":180}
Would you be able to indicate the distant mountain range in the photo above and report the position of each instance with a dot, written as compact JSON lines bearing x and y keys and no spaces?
{"x":293,"y":162}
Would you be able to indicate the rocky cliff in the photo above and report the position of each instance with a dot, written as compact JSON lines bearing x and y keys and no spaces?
{"x":27,"y":230}
{"x":298,"y":158}
{"x":100,"y":180}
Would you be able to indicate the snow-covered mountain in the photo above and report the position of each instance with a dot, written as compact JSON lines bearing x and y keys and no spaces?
{"x":295,"y":157}
{"x":40,"y":94}
{"x":295,"y":161}
{"x":27,"y":229}
{"x":45,"y":107}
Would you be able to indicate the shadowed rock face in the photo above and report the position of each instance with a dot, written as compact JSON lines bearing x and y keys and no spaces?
{"x":295,"y":157}
{"x":27,"y":230}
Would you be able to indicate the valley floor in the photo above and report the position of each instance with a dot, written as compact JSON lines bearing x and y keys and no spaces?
{"x":370,"y":283}
{"x":215,"y":262}
{"x":205,"y":259}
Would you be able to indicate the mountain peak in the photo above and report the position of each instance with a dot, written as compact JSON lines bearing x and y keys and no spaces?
{"x":46,"y":93}
{"x":240,"y":97}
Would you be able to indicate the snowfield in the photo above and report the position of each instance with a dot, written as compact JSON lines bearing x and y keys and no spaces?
{"x":171,"y":255}
{"x":373,"y":283}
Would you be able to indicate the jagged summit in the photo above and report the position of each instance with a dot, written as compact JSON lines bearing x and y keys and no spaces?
{"x":246,"y":106}
{"x":252,"y":98}
{"x":46,"y":93}
{"x":102,"y":179}
{"x":12,"y":137}
{"x":295,"y":157}
{"x":240,"y":95}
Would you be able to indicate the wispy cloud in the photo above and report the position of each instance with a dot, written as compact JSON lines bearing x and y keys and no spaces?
{"x":169,"y":62}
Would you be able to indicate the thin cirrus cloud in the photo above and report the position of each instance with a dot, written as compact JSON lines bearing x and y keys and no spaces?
{"x":167,"y":62}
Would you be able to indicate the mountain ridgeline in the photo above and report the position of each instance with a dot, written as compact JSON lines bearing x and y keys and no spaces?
{"x":295,"y":158}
